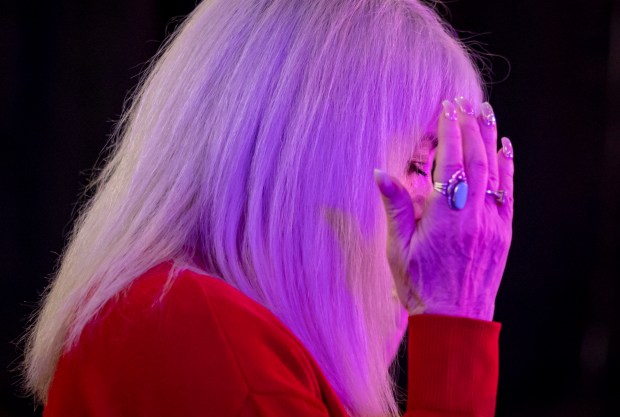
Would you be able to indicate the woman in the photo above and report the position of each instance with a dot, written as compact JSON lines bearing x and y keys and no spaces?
{"x":233,"y":258}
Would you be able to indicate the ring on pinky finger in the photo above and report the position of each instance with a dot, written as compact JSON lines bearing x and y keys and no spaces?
{"x":498,"y":195}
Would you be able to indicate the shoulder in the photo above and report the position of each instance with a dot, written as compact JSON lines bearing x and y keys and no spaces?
{"x":189,"y":340}
{"x":196,"y":304}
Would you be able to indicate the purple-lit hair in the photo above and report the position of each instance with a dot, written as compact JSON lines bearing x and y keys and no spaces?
{"x":248,"y":153}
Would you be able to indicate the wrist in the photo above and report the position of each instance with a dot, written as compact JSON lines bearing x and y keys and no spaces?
{"x":479,"y":312}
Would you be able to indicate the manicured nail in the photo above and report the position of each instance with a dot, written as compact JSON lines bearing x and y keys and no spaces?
{"x":507,"y":148}
{"x":449,"y":111}
{"x":386,"y":185}
{"x":487,"y":115}
{"x":465,"y":105}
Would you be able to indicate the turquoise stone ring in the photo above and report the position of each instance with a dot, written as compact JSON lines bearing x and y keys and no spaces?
{"x":458,"y":197}
{"x":456,"y":190}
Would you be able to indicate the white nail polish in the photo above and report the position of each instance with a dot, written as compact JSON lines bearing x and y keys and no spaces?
{"x":465,"y":105}
{"x":507,"y":148}
{"x":487,"y":115}
{"x":449,"y":110}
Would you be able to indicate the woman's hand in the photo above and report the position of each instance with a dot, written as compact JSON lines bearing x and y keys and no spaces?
{"x":451,"y":261}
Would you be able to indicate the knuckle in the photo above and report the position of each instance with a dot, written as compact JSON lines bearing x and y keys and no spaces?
{"x":470,"y":128}
{"x":509,"y":173}
{"x":493,"y":180}
{"x":444,"y":173}
{"x":452,"y":168}
{"x":478,"y":165}
{"x":452,"y":135}
{"x":489,"y":140}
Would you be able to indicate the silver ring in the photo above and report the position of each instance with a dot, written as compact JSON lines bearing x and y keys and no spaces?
{"x":498,"y":195}
{"x":456,"y":190}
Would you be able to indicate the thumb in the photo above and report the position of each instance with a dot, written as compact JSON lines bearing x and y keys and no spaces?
{"x":398,"y":207}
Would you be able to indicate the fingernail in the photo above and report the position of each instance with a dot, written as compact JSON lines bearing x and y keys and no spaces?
{"x":487,"y":115}
{"x":464,"y":105}
{"x":507,"y":148}
{"x":386,"y":185}
{"x":449,"y":111}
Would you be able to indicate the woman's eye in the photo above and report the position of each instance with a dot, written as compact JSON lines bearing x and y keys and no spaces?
{"x":415,"y":167}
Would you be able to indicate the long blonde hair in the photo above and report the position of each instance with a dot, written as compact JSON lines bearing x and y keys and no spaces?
{"x":248,"y":152}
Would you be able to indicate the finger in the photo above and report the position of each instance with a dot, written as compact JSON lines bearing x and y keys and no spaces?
{"x":506,"y":178}
{"x":398,"y":207}
{"x":449,"y":156}
{"x":488,"y":130}
{"x":474,"y":153}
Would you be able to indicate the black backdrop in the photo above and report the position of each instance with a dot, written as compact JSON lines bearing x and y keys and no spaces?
{"x":66,"y":67}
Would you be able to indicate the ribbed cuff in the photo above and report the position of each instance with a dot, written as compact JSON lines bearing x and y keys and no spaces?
{"x":453,"y":365}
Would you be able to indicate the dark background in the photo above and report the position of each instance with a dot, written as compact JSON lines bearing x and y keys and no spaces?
{"x":66,"y":68}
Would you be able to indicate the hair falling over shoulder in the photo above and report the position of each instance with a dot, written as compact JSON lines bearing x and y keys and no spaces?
{"x":248,"y":152}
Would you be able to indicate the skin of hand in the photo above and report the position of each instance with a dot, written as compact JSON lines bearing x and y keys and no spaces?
{"x":447,"y":261}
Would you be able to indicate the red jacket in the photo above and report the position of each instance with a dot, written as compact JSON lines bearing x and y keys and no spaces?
{"x":206,"y":349}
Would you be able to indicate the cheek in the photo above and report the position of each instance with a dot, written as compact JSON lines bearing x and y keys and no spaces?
{"x":414,"y":183}
{"x":419,"y":188}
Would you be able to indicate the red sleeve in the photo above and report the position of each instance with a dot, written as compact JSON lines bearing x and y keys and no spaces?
{"x":453,"y":367}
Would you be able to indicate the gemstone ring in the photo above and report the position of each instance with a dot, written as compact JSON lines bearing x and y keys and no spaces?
{"x":456,"y":190}
{"x":498,"y":195}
